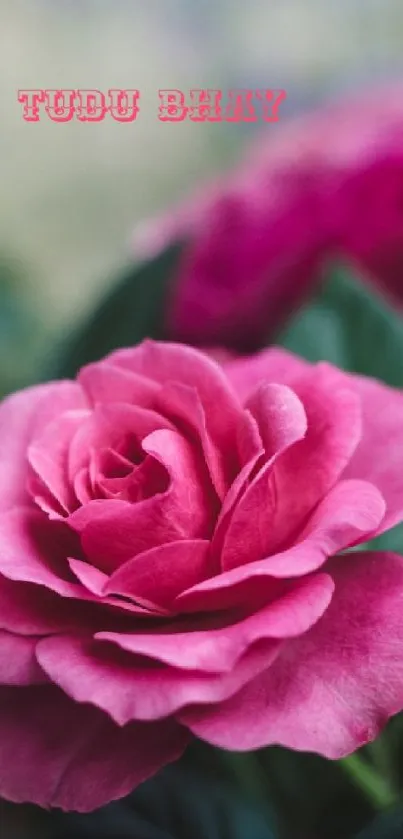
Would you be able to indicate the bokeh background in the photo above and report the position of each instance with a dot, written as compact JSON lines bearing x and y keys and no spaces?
{"x":71,"y":193}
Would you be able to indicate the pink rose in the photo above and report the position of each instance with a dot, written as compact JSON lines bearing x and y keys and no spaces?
{"x":328,"y":183}
{"x":368,"y":220}
{"x":173,"y":561}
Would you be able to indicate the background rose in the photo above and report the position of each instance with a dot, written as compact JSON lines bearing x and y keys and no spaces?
{"x":325,"y":183}
{"x":165,"y":538}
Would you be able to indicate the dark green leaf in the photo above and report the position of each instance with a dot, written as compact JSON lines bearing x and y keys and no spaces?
{"x":133,"y":310}
{"x":313,"y":797}
{"x":19,"y":328}
{"x":386,"y":826}
{"x":179,"y":803}
{"x":350,"y":325}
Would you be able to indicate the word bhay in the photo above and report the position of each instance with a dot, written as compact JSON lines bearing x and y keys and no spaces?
{"x":173,"y":105}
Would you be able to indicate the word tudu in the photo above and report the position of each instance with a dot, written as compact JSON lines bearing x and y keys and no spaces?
{"x":173,"y":105}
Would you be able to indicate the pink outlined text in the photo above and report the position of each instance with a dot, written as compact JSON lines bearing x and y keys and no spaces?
{"x":172,"y":105}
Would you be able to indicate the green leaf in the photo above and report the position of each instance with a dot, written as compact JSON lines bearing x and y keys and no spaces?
{"x":386,"y":826}
{"x":181,"y":802}
{"x":19,"y":328}
{"x":133,"y":310}
{"x":313,"y":797}
{"x":350,"y":325}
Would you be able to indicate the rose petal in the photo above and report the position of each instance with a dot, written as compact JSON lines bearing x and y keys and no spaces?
{"x":29,"y":609}
{"x":333,"y":689}
{"x":231,"y":499}
{"x":349,"y":514}
{"x":34,"y":550}
{"x":217,"y":649}
{"x":379,"y":455}
{"x":48,"y":456}
{"x":382,"y":417}
{"x":308,"y":470}
{"x":166,"y":363}
{"x":112,"y":532}
{"x":107,"y":427}
{"x":146,"y":480}
{"x":160,"y":574}
{"x":21,"y":414}
{"x":85,"y":760}
{"x":184,"y":405}
{"x":125,"y":688}
{"x":95,"y":582}
{"x":92,"y":578}
{"x":280,"y":416}
{"x":282,"y":421}
{"x":104,"y":383}
{"x":82,"y":486}
{"x":18,"y":663}
{"x":272,"y":365}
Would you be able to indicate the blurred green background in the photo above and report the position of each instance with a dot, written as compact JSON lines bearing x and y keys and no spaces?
{"x":71,"y":193}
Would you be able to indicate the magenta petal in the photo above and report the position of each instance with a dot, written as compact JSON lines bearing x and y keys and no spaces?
{"x":160,"y":574}
{"x":18,"y":663}
{"x":280,"y":416}
{"x":126,"y":689}
{"x":29,"y":609}
{"x":378,"y":457}
{"x":233,"y":495}
{"x":272,"y":365}
{"x":82,"y":486}
{"x":183,"y":404}
{"x":92,"y":578}
{"x":106,"y":427}
{"x":21,"y":415}
{"x":308,"y":470}
{"x":166,"y":363}
{"x":349,"y":514}
{"x":282,"y":421}
{"x":332,"y":690}
{"x":112,"y":532}
{"x":104,"y":383}
{"x":190,"y":493}
{"x":224,"y":459}
{"x":95,"y":581}
{"x":57,"y":753}
{"x":217,"y":650}
{"x":48,"y":456}
{"x":34,"y":550}
{"x":375,"y":457}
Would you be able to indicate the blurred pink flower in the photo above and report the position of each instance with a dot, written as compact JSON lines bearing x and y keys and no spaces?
{"x":329,"y":183}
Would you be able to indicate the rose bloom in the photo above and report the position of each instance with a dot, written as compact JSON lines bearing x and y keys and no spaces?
{"x":327,"y":183}
{"x":175,"y":560}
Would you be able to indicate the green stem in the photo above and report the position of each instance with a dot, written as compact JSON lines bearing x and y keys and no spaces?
{"x":382,"y":758}
{"x":372,"y":784}
{"x":248,"y":774}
